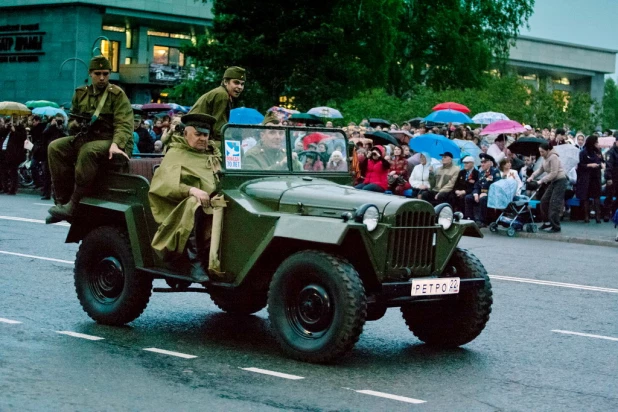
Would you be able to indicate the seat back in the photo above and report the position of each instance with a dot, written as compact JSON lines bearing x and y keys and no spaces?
{"x":144,"y":166}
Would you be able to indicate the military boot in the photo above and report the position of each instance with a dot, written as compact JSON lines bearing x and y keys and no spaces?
{"x":198,"y":274}
{"x":61,"y":212}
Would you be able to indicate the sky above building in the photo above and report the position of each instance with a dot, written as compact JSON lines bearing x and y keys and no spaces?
{"x":586,"y":22}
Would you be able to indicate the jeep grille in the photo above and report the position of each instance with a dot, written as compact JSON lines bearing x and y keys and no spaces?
{"x":412,"y":243}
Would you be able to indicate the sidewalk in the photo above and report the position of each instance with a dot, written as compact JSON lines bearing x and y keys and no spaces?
{"x":600,"y":234}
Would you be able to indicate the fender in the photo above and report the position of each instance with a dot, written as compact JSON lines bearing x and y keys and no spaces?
{"x":130,"y":217}
{"x":452,"y":238}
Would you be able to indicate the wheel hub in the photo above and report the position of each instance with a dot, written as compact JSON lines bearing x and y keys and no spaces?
{"x":313,"y":309}
{"x":107,"y":279}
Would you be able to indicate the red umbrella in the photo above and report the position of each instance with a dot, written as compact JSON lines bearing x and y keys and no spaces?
{"x":156,"y":107}
{"x":452,"y":106}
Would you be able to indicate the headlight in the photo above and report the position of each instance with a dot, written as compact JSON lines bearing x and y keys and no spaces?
{"x":445,"y":215}
{"x":369,"y":215}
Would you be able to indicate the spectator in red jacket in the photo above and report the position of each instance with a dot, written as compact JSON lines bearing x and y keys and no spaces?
{"x":376,"y":175}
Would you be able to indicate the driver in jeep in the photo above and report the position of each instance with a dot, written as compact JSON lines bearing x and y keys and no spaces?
{"x":181,"y":197}
{"x":270,"y":153}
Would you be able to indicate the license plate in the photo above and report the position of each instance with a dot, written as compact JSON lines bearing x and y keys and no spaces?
{"x":429,"y":287}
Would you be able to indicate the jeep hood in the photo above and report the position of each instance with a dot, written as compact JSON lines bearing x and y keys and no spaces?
{"x":316,"y":197}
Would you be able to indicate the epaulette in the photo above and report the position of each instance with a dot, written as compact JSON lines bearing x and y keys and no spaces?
{"x":113,"y":89}
{"x":82,"y":88}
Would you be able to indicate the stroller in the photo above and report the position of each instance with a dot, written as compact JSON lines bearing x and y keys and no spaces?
{"x":516,"y":214}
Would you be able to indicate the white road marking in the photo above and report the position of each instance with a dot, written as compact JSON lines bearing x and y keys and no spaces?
{"x":587,"y":335}
{"x":389,"y":396}
{"x":69,"y":262}
{"x":272,"y":373}
{"x":23,"y":219}
{"x":171,"y":353}
{"x":557,"y":284}
{"x":9,"y":321}
{"x":44,"y":204}
{"x":79,"y":335}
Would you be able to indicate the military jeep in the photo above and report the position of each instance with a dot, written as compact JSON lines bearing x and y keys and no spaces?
{"x":323,"y":256}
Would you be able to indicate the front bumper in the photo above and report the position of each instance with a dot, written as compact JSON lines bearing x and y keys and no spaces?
{"x":396,"y":294}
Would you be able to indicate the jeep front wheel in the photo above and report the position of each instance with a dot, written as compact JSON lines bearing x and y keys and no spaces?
{"x":457,"y":322}
{"x":107,"y":285}
{"x":317,"y":306}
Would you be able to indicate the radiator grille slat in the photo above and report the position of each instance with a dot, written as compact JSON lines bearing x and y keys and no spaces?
{"x":411,"y":242}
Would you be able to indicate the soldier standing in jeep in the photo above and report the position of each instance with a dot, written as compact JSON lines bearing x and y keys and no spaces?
{"x":76,"y":159}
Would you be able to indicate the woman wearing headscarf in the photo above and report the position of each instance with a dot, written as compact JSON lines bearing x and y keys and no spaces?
{"x":589,"y":177}
{"x":422,"y":178}
{"x":336,"y":162}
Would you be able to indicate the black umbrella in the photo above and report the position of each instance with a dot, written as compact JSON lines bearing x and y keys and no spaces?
{"x":527,"y":146}
{"x":305,"y":118}
{"x":379,"y":122}
{"x":379,"y":137}
{"x":416,"y":122}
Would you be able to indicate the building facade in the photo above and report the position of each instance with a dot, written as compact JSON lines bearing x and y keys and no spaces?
{"x":562,"y":66}
{"x":45,"y":45}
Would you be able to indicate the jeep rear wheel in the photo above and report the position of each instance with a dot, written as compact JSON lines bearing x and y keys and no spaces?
{"x":317,"y":306}
{"x":457,"y":322}
{"x":107,"y":285}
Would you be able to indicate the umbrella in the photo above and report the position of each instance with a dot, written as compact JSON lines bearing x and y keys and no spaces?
{"x":49,"y":112}
{"x":527,"y":146}
{"x":568,"y":155}
{"x":156,"y":107}
{"x":469,"y":148}
{"x":327,"y":112}
{"x":305,"y":118}
{"x":379,"y":122}
{"x":504,"y":126}
{"x":137,"y":106}
{"x":489,"y":117}
{"x":178,"y":108}
{"x":605,"y":142}
{"x":435,"y":145}
{"x":32,"y":104}
{"x":402,"y":135}
{"x":282,"y":112}
{"x":452,"y":106}
{"x":416,"y":122}
{"x":380,"y":137}
{"x":448,"y":116}
{"x":14,"y":109}
{"x":245,"y":115}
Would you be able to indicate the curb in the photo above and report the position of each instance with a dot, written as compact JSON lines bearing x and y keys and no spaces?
{"x":561,"y":238}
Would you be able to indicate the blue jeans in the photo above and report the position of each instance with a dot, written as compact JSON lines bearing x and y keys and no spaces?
{"x":371,"y":187}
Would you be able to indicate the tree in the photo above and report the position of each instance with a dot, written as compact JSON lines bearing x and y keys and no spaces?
{"x":610,"y":105}
{"x":313,"y":51}
{"x":454,"y":43}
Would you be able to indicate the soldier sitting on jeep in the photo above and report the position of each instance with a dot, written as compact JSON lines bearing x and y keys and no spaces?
{"x":181,"y":195}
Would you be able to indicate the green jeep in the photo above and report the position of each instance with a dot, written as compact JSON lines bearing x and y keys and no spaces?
{"x":323,"y":256}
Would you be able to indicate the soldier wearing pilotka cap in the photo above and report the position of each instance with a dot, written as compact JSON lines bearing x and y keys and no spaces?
{"x":220,"y":101}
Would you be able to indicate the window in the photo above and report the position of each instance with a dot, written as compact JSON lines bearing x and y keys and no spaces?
{"x":180,"y":36}
{"x":111,"y":49}
{"x":127,"y":60}
{"x":158,"y":33}
{"x":169,"y":56}
{"x":114,"y":28}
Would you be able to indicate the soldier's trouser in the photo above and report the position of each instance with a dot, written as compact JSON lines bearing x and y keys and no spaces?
{"x":71,"y":165}
{"x":553,"y":201}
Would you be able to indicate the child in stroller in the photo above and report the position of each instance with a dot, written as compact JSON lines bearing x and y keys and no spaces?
{"x":516,"y":212}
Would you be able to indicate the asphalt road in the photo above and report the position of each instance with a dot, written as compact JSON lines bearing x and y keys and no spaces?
{"x":550,"y":345}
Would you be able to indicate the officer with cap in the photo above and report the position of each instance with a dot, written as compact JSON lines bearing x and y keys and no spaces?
{"x":74,"y":162}
{"x":466,"y":179}
{"x":181,"y":198}
{"x":476,"y":202}
{"x":269,"y":152}
{"x":219,"y":101}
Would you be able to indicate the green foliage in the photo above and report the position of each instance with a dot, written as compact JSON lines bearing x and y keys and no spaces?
{"x":610,"y":105}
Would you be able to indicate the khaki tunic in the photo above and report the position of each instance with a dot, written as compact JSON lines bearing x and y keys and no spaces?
{"x":218,"y":104}
{"x":262,"y":158}
{"x":172,"y":207}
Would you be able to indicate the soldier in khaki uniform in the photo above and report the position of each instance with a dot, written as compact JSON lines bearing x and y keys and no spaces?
{"x":219,"y":101}
{"x":75,"y":160}
{"x":269,"y":153}
{"x":181,"y":195}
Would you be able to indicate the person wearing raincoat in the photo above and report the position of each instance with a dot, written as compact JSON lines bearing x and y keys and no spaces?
{"x":422,"y":178}
{"x":182,"y":195}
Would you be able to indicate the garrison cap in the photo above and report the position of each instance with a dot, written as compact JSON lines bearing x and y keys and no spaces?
{"x":203,"y":123}
{"x":235,"y":72}
{"x":99,"y":63}
{"x":271,"y":118}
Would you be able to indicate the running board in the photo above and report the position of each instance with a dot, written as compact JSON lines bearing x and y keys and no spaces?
{"x":159,"y":273}
{"x":170,"y":290}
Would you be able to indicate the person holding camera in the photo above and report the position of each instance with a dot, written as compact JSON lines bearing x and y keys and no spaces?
{"x":54,"y":130}
{"x":105,"y":129}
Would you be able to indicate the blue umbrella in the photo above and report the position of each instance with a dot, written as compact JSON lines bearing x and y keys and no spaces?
{"x":448,"y":116}
{"x":178,"y":108}
{"x":49,"y":111}
{"x":245,"y":115}
{"x":435,"y":145}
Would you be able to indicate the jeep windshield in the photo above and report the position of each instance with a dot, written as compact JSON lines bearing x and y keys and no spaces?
{"x":284,"y":149}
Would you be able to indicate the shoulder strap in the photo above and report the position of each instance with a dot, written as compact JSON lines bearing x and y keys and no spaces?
{"x":95,"y":116}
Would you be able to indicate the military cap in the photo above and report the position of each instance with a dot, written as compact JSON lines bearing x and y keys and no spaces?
{"x":485,"y":156}
{"x":271,"y":118}
{"x":234,"y":72}
{"x":99,"y":63}
{"x":203,"y":123}
{"x":137,"y":117}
